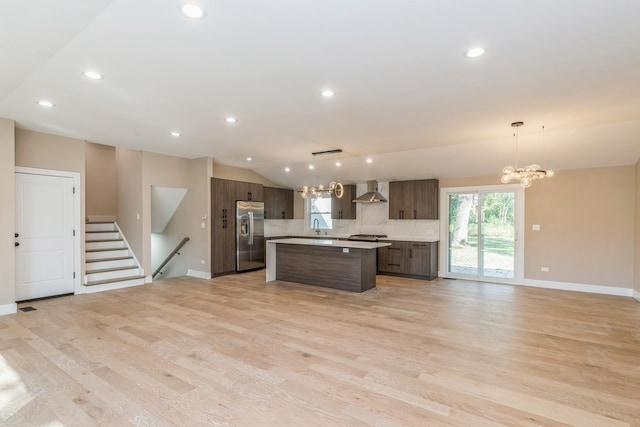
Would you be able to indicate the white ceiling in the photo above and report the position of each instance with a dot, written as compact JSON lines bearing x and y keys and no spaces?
{"x":405,"y":94}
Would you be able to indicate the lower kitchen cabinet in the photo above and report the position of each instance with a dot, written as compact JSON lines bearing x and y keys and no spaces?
{"x":409,"y":259}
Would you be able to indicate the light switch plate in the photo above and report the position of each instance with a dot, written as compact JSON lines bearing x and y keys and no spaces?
{"x":535,"y":227}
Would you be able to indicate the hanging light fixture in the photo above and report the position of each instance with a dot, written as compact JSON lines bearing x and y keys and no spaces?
{"x":317,"y":191}
{"x":528,"y":174}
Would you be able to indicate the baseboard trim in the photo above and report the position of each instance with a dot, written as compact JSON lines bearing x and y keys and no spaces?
{"x":579,"y":287}
{"x":8,"y":309}
{"x":636,"y":295}
{"x":199,"y":274}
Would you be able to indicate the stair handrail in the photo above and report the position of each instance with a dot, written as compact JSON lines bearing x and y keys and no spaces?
{"x":170,"y":256}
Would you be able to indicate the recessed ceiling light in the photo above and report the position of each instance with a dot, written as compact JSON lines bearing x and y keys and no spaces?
{"x":231,"y":120}
{"x":93,"y":75}
{"x":287,"y":169}
{"x":328,"y":93}
{"x":249,"y":159}
{"x":193,"y":11}
{"x":369,"y":160}
{"x":176,"y":134}
{"x":338,"y":164}
{"x":47,"y":104}
{"x":474,"y":53}
{"x":311,"y":167}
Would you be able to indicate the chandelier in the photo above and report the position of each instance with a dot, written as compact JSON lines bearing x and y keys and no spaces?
{"x":322,"y":191}
{"x":318,"y":191}
{"x":525,"y":175}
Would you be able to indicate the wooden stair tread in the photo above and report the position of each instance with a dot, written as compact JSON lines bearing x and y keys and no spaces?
{"x":108,"y":270}
{"x":122,"y":258}
{"x":120,"y":248}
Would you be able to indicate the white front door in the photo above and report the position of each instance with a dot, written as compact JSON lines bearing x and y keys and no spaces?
{"x":44,"y":236}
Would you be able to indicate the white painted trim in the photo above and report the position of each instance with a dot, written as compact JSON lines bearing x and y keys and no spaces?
{"x":636,"y":295}
{"x":199,"y":274}
{"x":148,"y":279}
{"x":8,"y":309}
{"x":579,"y":287}
{"x":124,"y":238}
{"x":78,"y":240}
{"x":101,"y":218}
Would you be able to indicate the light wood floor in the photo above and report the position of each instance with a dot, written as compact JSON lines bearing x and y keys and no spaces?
{"x":237,"y":351}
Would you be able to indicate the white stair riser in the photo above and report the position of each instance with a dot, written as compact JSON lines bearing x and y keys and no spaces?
{"x":105,"y":245}
{"x":100,"y":227}
{"x":117,"y":263}
{"x":107,"y":235}
{"x":116,"y":253}
{"x":114,"y":285}
{"x":91,"y":277}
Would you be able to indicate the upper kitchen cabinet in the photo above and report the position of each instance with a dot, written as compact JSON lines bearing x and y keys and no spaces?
{"x":278,"y":203}
{"x":247,"y":191}
{"x":344,"y":208}
{"x":414,"y":199}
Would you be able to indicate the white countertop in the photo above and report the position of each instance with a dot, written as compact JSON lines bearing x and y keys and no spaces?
{"x":329,"y":242}
{"x":411,"y":239}
{"x":344,"y":236}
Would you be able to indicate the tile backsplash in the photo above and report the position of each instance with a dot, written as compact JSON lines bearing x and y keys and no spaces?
{"x":372,"y":218}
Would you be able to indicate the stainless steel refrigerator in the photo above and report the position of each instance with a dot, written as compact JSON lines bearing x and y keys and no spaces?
{"x":249,"y":235}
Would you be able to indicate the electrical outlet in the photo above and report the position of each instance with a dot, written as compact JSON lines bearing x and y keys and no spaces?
{"x":345,"y":250}
{"x":535,"y":227}
{"x":545,"y":269}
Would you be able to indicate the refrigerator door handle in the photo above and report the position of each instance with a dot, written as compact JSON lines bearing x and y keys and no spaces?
{"x":250,"y":228}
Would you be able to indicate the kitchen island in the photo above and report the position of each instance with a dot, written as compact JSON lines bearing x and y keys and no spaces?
{"x":338,"y":264}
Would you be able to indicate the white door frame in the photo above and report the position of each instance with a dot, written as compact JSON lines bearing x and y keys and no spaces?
{"x":77,"y":219}
{"x":519,"y":229}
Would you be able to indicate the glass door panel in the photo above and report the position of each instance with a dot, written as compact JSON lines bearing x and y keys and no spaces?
{"x":482,"y":234}
{"x":463,"y":226}
{"x":497,"y":231}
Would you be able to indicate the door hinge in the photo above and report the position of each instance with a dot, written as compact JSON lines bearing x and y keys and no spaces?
{"x":74,"y":233}
{"x":74,"y":190}
{"x":74,"y":274}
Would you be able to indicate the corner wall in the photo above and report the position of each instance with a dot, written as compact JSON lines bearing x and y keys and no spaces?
{"x":100,"y":171}
{"x":129,"y":198}
{"x":7,"y":217}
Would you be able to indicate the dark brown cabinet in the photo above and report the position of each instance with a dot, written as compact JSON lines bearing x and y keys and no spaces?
{"x":344,"y":208}
{"x":414,"y":199}
{"x":223,"y":254}
{"x":224,"y":194}
{"x":409,"y":259}
{"x":278,"y":203}
{"x":247,"y":191}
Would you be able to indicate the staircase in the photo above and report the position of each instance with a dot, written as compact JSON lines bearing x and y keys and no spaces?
{"x":109,"y":263}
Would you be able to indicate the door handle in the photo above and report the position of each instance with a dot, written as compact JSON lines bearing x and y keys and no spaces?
{"x":17,"y":244}
{"x":17,"y":235}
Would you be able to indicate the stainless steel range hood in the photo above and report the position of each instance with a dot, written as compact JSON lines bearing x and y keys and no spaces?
{"x":372,"y":195}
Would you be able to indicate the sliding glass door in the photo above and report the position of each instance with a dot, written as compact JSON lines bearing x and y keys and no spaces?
{"x":483,"y":225}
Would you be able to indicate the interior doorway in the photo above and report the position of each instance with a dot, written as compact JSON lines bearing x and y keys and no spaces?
{"x":47,"y":235}
{"x":482,"y":236}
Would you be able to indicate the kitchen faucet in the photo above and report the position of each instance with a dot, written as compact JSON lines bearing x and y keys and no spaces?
{"x":316,"y":226}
